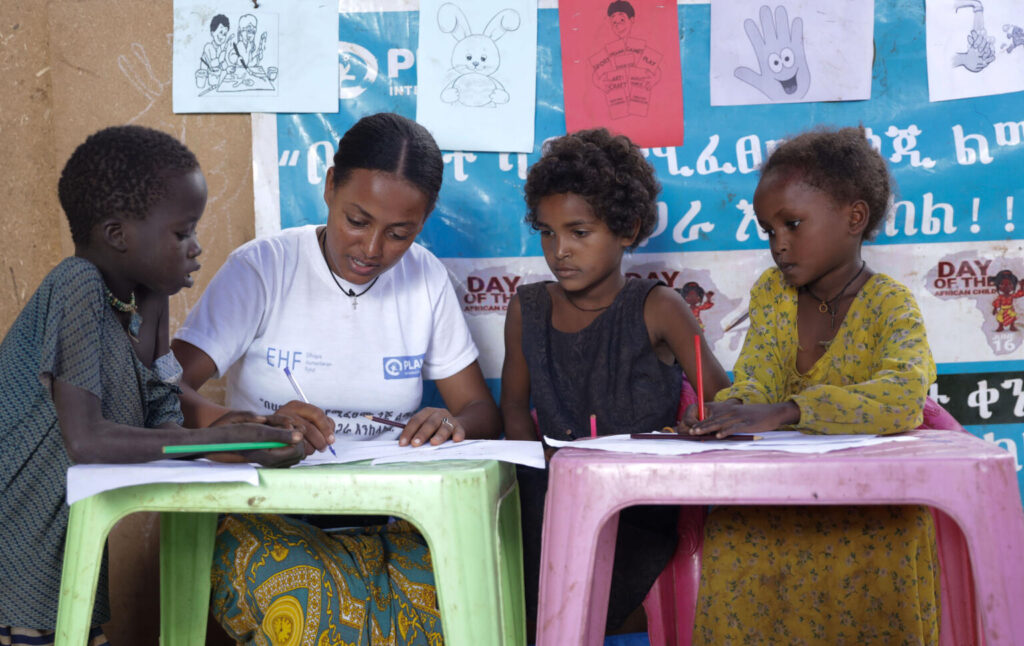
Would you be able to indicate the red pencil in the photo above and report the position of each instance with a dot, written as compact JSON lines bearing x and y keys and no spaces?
{"x":700,"y":377}
{"x":593,"y":426}
{"x":381,"y":420}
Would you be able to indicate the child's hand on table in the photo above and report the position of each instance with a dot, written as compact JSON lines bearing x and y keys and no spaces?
{"x":733,"y":416}
{"x":232,"y":431}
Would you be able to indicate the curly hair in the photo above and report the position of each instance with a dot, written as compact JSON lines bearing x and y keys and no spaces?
{"x":608,"y":171}
{"x":120,"y":171}
{"x":841,"y":163}
{"x":692,"y":286}
{"x":1005,"y":274}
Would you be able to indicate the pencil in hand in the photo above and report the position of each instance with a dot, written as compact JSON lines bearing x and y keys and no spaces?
{"x":302,"y":396}
{"x":700,"y":378}
{"x":384,"y":420}
{"x":223,"y":446}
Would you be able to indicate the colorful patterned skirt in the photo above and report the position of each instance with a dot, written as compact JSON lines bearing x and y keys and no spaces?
{"x":818,"y":575}
{"x":280,"y":581}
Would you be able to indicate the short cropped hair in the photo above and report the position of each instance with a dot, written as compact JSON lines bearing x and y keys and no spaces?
{"x":608,"y":171}
{"x":120,"y":171}
{"x":218,"y":20}
{"x":621,"y":6}
{"x":841,"y":163}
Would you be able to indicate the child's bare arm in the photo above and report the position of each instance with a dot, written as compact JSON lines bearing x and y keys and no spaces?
{"x":515,"y":379}
{"x":197,"y":367}
{"x":91,"y":438}
{"x":670,"y":320}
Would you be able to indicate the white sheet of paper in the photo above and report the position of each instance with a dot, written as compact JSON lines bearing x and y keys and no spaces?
{"x":527,"y":453}
{"x":232,"y":57}
{"x":352,"y":451}
{"x":814,"y":51}
{"x":477,"y":73}
{"x":974,"y":49}
{"x":388,"y":451}
{"x":86,"y":480}
{"x":786,"y":441}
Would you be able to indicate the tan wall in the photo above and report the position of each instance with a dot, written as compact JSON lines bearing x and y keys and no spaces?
{"x":67,"y":69}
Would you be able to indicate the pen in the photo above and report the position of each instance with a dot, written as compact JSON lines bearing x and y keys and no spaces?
{"x":593,"y":426}
{"x":226,"y":446}
{"x":695,"y":438}
{"x":302,"y":396}
{"x":382,"y":420}
{"x":700,"y":378}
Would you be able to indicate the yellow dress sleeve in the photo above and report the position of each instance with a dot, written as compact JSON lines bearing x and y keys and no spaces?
{"x":879,"y":377}
{"x":759,"y":373}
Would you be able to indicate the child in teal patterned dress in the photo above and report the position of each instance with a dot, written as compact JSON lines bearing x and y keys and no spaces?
{"x":85,"y":370}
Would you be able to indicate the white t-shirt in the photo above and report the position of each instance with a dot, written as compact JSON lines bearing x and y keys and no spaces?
{"x":274,"y":304}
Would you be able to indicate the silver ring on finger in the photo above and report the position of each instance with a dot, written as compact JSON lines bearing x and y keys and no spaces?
{"x":445,"y":420}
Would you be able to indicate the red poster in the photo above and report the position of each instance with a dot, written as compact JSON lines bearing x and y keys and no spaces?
{"x":620,"y":68}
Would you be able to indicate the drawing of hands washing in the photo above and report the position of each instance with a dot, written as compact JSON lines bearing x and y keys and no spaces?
{"x":980,"y":46}
{"x":1016,"y":36}
{"x":475,"y":57}
{"x":234,"y":63}
{"x":783,"y":73}
{"x":625,"y":69}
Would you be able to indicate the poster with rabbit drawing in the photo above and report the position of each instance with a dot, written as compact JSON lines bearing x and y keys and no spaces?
{"x":268,"y":56}
{"x":477,"y":66}
{"x":975,"y":47}
{"x":791,"y":51}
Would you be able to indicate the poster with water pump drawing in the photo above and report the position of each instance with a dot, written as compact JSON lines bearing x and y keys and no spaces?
{"x":277,"y":56}
{"x":477,"y":66}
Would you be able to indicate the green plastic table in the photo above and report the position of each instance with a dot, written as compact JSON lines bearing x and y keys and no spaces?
{"x":468,"y":511}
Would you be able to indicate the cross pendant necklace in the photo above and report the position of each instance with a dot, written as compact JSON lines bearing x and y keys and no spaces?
{"x":351,"y":293}
{"x":829,"y":306}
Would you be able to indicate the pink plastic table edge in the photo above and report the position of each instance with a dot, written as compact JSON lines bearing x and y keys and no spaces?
{"x":950,"y":471}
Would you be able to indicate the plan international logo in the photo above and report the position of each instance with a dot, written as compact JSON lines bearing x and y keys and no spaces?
{"x":408,"y":367}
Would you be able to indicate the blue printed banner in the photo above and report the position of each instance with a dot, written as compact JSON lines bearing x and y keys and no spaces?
{"x":951,"y":236}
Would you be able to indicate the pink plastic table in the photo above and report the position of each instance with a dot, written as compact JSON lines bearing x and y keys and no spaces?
{"x":971,"y":480}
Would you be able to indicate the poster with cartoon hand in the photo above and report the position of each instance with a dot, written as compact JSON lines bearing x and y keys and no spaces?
{"x":620,"y":68}
{"x":790,"y":51}
{"x":232,"y":56}
{"x":975,"y":48}
{"x":477,"y":65}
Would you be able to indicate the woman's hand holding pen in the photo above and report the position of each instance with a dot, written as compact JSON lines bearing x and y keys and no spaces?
{"x":316,"y":427}
{"x":434,"y":424}
{"x":733,"y":416}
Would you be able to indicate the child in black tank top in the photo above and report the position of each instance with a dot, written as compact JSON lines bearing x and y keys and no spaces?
{"x":595,"y":343}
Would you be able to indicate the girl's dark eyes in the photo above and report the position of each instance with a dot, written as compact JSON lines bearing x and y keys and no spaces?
{"x":354,"y":222}
{"x":793,"y":224}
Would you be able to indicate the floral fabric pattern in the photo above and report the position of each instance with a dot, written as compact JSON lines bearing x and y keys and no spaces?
{"x":278,"y":581}
{"x":820,"y":574}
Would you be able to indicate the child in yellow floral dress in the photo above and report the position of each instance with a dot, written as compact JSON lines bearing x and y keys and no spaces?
{"x":833,"y":347}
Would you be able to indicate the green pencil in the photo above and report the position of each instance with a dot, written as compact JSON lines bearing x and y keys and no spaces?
{"x":229,"y":446}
